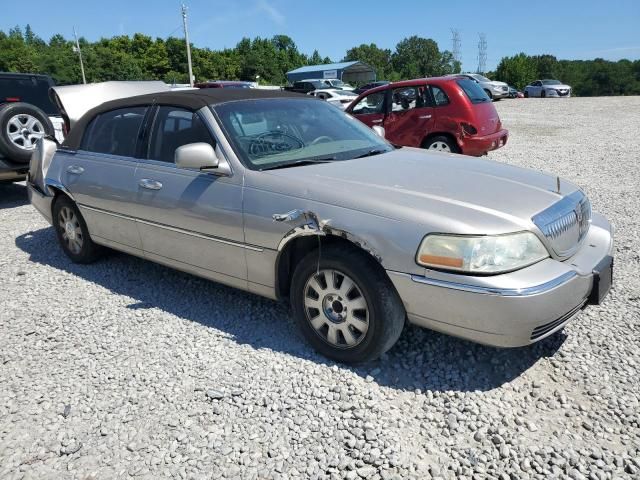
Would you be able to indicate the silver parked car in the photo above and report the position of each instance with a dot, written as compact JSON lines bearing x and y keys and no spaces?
{"x":494,"y":89}
{"x":547,"y":88}
{"x":288,"y":197}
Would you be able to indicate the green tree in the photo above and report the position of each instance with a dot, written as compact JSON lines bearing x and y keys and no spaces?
{"x":518,"y":70}
{"x":372,"y":55}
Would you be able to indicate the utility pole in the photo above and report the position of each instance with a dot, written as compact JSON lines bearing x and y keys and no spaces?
{"x":186,"y":39}
{"x":455,"y":40}
{"x":79,"y":52}
{"x":482,"y":53}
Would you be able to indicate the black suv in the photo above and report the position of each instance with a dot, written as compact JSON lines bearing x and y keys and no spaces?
{"x":26,"y":114}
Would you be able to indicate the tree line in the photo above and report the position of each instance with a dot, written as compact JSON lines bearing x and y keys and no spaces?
{"x":141,"y":57}
{"x":587,"y":77}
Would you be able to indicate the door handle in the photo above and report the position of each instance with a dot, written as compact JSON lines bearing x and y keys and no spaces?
{"x":425,"y":116}
{"x":75,"y":169}
{"x":150,"y":184}
{"x":376,"y":121}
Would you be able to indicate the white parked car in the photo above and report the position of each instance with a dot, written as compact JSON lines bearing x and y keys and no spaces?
{"x":339,"y":98}
{"x":547,"y":88}
{"x":495,"y":90}
{"x":332,"y":83}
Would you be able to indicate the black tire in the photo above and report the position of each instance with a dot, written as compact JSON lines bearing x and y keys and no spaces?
{"x":526,"y":94}
{"x":88,"y":252}
{"x":430,"y":142}
{"x":16,"y":113}
{"x":385,"y":314}
{"x":488,"y":92}
{"x":543,"y":94}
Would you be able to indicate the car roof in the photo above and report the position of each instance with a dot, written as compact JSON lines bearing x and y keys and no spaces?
{"x":189,"y":99}
{"x":413,"y":83}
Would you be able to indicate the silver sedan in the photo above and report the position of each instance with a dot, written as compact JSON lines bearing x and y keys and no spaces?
{"x":287,"y":197}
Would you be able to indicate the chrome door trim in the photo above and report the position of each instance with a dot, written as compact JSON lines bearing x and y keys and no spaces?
{"x":504,"y":292}
{"x":174,"y":229}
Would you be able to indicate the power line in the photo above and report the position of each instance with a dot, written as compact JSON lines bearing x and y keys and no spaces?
{"x":456,"y":43}
{"x":79,"y":52}
{"x":186,"y":39}
{"x":482,"y":53}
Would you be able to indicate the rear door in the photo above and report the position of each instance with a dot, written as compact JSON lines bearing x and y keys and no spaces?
{"x":484,"y":116}
{"x":101,"y":175}
{"x":370,"y":109}
{"x":184,"y":215}
{"x":411,"y":116}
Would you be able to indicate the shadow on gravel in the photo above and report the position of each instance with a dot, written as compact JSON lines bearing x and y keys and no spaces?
{"x":13,"y":195}
{"x":422,"y":359}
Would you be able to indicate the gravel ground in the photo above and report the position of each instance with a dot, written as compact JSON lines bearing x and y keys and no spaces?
{"x":128,"y":369}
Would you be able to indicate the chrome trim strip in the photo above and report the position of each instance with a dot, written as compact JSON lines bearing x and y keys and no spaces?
{"x":174,"y":229}
{"x":504,"y":292}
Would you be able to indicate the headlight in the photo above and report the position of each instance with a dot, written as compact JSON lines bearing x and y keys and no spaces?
{"x":481,"y":254}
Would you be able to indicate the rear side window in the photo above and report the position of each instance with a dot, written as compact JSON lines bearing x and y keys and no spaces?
{"x":33,"y":90}
{"x":172,"y":128}
{"x":473,"y":91}
{"x":115,"y":132}
{"x":439,"y":97}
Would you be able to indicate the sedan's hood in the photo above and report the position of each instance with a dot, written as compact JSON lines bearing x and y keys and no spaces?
{"x":560,"y":87}
{"x":449,"y":192}
{"x":495,"y":83}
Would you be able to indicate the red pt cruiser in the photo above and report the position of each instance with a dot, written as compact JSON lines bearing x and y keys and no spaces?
{"x":451,"y":114}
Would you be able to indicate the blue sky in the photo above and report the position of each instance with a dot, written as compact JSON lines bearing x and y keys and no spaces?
{"x":576,"y":29}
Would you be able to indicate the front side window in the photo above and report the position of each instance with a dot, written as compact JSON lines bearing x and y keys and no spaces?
{"x":115,"y":132}
{"x":439,"y":97}
{"x":172,"y":128}
{"x":275,"y":133}
{"x":372,"y":103}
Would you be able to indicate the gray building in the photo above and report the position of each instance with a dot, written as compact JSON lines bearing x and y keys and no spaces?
{"x":348,"y":72}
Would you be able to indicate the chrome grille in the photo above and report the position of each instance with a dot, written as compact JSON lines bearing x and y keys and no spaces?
{"x":565,"y":223}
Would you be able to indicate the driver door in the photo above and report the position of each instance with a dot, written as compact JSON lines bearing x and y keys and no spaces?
{"x":370,"y":110}
{"x":187,"y":218}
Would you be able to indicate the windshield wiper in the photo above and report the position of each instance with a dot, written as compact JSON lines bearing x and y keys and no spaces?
{"x":300,"y":163}
{"x":370,"y":153}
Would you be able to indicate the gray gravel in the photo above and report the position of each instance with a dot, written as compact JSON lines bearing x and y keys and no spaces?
{"x":128,"y":369}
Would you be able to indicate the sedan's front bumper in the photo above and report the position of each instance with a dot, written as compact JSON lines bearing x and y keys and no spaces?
{"x":512,"y":309}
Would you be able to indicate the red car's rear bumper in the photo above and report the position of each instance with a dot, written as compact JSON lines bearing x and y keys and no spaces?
{"x":477,"y":146}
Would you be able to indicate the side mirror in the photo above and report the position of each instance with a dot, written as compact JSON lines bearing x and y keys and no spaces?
{"x":379,"y":130}
{"x":200,"y":156}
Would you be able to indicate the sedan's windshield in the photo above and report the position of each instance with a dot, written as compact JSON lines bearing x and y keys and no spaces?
{"x":276,"y":132}
{"x":551,"y":82}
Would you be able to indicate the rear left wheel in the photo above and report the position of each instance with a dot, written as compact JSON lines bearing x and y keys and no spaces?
{"x":441,"y":143}
{"x":345,"y":306}
{"x":72,"y":232}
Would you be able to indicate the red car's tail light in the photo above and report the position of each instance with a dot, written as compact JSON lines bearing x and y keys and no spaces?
{"x":468,"y":129}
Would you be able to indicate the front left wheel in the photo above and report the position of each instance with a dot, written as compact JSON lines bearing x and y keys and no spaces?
{"x":72,"y":232}
{"x":345,"y":305}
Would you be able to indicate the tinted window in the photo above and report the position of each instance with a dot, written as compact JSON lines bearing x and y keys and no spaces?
{"x":372,"y":103}
{"x":115,"y":132}
{"x":551,"y":82}
{"x":474,"y":92}
{"x":172,"y":128}
{"x":33,"y":90}
{"x":439,"y":97}
{"x":407,"y":98}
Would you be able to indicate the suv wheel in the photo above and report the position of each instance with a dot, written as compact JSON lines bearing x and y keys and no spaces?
{"x":489,"y":94}
{"x":21,"y":125}
{"x":72,"y":232}
{"x":346,"y":307}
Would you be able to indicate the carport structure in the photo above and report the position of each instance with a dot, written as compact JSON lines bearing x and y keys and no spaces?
{"x":348,"y":72}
